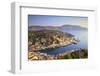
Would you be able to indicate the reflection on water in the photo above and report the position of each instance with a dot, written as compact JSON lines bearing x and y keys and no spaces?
{"x":82,"y":35}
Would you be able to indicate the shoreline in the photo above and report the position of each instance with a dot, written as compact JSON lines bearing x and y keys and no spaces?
{"x":72,"y":54}
{"x":73,"y":41}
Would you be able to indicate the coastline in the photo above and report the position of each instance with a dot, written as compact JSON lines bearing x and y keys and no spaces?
{"x":72,"y":54}
{"x":71,"y":41}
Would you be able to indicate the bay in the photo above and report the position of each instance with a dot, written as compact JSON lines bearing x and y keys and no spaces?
{"x":81,"y":35}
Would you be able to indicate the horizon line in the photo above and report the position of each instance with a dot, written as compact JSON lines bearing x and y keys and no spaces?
{"x":58,"y":25}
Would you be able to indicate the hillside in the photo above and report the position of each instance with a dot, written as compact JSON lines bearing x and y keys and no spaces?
{"x":45,"y":39}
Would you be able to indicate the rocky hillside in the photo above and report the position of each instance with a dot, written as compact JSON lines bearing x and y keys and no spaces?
{"x":44,"y":39}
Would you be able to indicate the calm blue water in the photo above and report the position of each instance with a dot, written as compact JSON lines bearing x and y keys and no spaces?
{"x":82,"y":35}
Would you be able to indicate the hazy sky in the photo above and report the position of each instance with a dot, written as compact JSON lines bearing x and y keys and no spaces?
{"x":44,"y":20}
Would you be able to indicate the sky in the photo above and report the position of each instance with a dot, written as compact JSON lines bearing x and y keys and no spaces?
{"x":47,"y":20}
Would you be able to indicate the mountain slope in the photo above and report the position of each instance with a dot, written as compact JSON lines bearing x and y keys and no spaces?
{"x":44,"y":39}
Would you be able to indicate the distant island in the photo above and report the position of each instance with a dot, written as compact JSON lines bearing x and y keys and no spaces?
{"x":63,"y":27}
